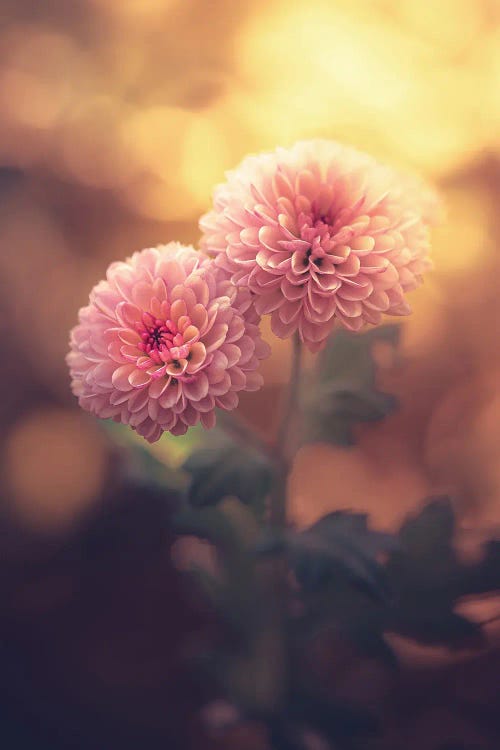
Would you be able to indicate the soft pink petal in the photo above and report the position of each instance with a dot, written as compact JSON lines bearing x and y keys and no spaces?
{"x":166,"y":339}
{"x":323,"y":214}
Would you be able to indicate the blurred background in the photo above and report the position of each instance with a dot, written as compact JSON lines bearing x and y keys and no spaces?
{"x":117,"y":117}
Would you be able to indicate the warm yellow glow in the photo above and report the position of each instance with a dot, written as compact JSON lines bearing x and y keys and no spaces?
{"x":26,"y":100}
{"x":205,"y":151}
{"x":118,"y":117}
{"x":135,"y":10}
{"x":66,"y":467}
{"x":463,"y":239}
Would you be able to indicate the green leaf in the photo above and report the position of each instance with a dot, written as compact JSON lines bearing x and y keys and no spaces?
{"x":421,"y":582}
{"x":209,"y":523}
{"x":485,"y":575}
{"x":344,"y":391}
{"x":141,"y":462}
{"x":340,"y":544}
{"x":428,"y":578}
{"x":348,"y":355}
{"x":228,"y":469}
{"x":232,"y":528}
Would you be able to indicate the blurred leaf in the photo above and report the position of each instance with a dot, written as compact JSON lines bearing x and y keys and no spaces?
{"x":225,"y":469}
{"x":484,"y":576}
{"x":418,"y":586}
{"x":271,"y":542}
{"x":170,"y":450}
{"x":232,"y":528}
{"x":345,"y":391}
{"x":178,"y":447}
{"x":369,"y":639}
{"x":339,"y":544}
{"x":428,"y":578}
{"x":230,"y":524}
{"x":206,"y":523}
{"x":141,"y":462}
{"x":439,"y":625}
{"x":337,"y":563}
{"x":348,"y":356}
{"x":428,"y":536}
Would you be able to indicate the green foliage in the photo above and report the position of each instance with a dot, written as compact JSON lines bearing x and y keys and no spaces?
{"x":344,"y":391}
{"x":340,"y":544}
{"x":423,"y":579}
{"x":428,"y":578}
{"x":140,"y":462}
{"x":275,"y":591}
{"x":227,"y":468}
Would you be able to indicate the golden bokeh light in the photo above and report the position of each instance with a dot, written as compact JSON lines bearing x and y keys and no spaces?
{"x":55,"y":467}
{"x":118,"y":118}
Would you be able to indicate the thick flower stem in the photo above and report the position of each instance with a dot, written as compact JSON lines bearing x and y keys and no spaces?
{"x":286,"y":442}
{"x":275,"y":580}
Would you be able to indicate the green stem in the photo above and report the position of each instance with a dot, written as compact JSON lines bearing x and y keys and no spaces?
{"x":286,"y":442}
{"x":275,"y":580}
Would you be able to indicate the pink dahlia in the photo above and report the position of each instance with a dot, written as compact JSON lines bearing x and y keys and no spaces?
{"x":320,"y":233}
{"x":165,"y":339}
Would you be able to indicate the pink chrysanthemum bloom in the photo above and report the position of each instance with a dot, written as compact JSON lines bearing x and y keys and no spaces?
{"x":165,"y":339}
{"x":321,"y":233}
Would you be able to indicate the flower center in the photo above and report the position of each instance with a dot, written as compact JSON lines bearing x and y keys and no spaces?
{"x":161,"y":339}
{"x":317,"y":233}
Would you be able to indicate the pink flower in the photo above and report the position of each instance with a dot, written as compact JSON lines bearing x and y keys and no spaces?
{"x":165,"y":340}
{"x":320,"y":233}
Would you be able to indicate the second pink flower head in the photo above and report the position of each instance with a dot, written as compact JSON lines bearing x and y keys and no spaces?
{"x":322,"y":235}
{"x":165,"y":339}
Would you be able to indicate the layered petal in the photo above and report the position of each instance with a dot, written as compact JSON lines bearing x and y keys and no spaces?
{"x":320,"y":234}
{"x":165,"y":340}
